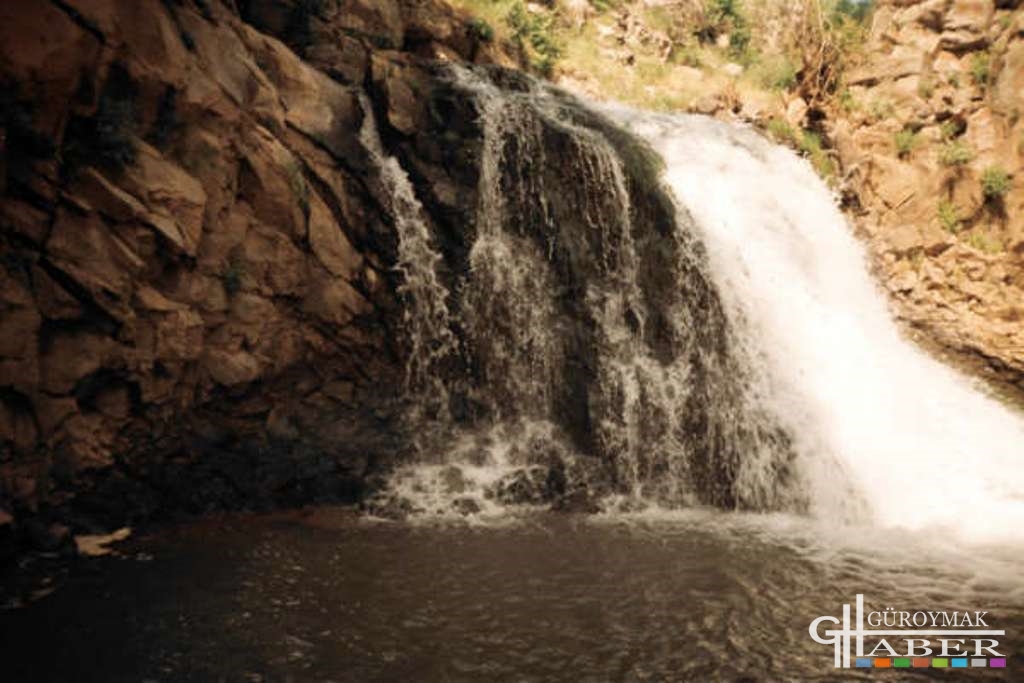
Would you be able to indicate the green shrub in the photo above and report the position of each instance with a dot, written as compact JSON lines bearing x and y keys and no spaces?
{"x":949,"y":216}
{"x":954,"y":80}
{"x":949,"y":129}
{"x":810,"y":142}
{"x":926,"y":88}
{"x":777,"y":73}
{"x":739,"y":44}
{"x":981,"y":69}
{"x":985,"y":243}
{"x":882,"y":109}
{"x":811,"y":145}
{"x":688,"y":55}
{"x":847,"y":101}
{"x":537,"y":31}
{"x":857,"y":10}
{"x":725,"y":16}
{"x":781,"y":131}
{"x":603,"y":6}
{"x":956,"y":153}
{"x":480,"y":30}
{"x":995,"y":182}
{"x":906,"y":140}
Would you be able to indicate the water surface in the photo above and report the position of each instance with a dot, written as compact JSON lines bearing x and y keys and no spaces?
{"x":326,"y":596}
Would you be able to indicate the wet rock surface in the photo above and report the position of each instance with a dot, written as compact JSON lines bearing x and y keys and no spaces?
{"x":197,"y":294}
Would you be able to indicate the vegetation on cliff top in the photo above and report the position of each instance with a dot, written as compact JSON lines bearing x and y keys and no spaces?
{"x":691,"y":55}
{"x":669,"y":55}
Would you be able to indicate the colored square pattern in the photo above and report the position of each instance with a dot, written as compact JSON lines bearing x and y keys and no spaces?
{"x":928,"y":662}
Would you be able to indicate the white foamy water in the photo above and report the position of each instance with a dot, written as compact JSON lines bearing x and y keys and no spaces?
{"x":923,"y":447}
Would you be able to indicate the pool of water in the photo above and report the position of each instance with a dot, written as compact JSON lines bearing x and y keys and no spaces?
{"x":323,"y":595}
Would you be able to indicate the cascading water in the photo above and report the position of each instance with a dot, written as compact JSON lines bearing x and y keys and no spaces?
{"x":920,"y":444}
{"x":695,"y":328}
{"x":426,"y":315}
{"x":599,"y":357}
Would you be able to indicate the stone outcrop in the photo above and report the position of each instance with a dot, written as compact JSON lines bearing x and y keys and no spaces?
{"x":947,"y":77}
{"x":197,"y":302}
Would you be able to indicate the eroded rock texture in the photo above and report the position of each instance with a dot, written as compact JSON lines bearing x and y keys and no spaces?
{"x":947,"y":76}
{"x":197,"y":303}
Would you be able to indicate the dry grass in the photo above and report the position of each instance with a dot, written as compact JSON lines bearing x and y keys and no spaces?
{"x":794,"y":47}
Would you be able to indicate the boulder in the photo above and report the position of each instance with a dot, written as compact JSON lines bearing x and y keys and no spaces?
{"x":527,"y":486}
{"x":966,"y":25}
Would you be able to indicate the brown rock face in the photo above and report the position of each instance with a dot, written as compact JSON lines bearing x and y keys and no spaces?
{"x":192,"y":261}
{"x":946,"y":238}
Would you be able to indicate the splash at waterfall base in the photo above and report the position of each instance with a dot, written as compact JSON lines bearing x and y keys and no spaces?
{"x":965,"y":637}
{"x":593,"y":359}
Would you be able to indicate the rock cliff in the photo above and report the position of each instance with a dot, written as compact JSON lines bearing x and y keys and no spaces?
{"x":197,"y":298}
{"x":921,"y":130}
{"x":931,"y":138}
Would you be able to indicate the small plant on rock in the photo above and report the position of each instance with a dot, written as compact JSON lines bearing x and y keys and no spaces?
{"x":949,"y":216}
{"x":985,"y":243}
{"x":906,"y":140}
{"x":847,"y":101}
{"x":777,"y":73}
{"x":538,"y":32}
{"x":926,"y":88}
{"x":811,"y":145}
{"x":981,"y":69}
{"x":882,"y":109}
{"x":480,"y":30}
{"x":949,"y":129}
{"x":781,"y":131}
{"x":956,"y":154}
{"x":995,"y":182}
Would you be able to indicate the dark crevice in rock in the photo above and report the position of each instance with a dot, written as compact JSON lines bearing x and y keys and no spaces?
{"x":81,"y":20}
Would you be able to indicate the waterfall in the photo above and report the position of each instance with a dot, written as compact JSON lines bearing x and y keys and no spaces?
{"x":427,"y":321}
{"x":601,"y":362}
{"x":919,"y":444}
{"x":671,"y":311}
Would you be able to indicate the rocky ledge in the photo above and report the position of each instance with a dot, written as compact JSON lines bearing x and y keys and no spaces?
{"x":197,"y":305}
{"x":931,"y":138}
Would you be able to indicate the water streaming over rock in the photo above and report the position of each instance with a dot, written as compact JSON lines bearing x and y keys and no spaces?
{"x":601,"y":365}
{"x":872,"y":418}
{"x":689,"y":326}
{"x":426,"y":318}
